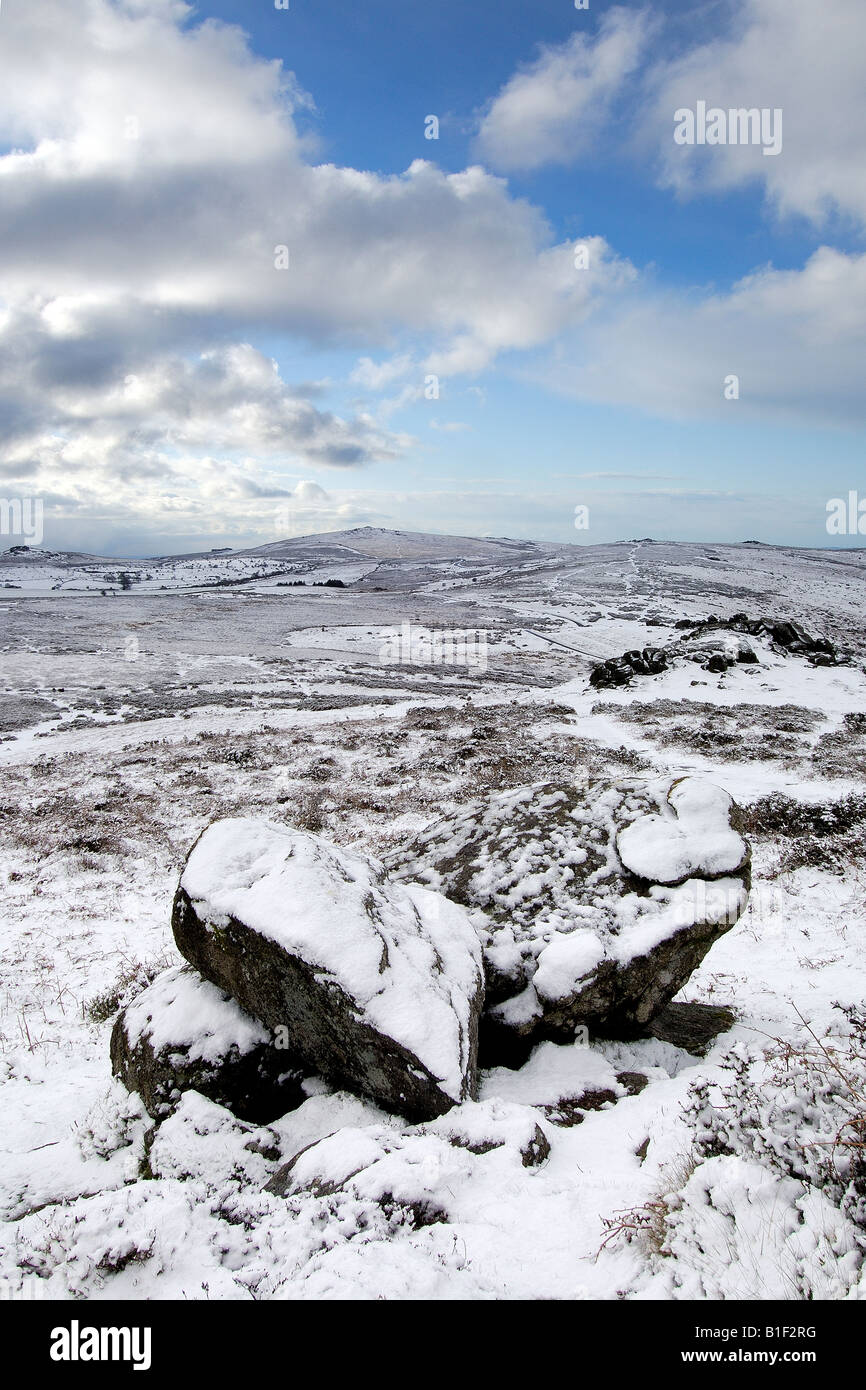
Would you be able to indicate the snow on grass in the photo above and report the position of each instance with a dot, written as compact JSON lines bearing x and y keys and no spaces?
{"x":92,"y":1210}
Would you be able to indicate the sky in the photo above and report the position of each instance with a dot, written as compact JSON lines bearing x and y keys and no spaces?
{"x":441,"y":267}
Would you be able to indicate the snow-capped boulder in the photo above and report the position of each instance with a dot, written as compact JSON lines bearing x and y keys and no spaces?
{"x":594,"y":903}
{"x":376,"y":986}
{"x":717,"y":650}
{"x":183,"y":1034}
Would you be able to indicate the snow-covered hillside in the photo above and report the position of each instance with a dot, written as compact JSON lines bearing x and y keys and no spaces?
{"x":219,"y":686}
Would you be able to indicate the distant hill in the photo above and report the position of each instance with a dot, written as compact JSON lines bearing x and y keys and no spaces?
{"x":369,"y":542}
{"x":378,"y":543}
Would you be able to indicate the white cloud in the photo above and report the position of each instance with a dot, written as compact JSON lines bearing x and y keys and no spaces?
{"x":183,"y":443}
{"x":98,"y":87}
{"x":803,"y":58}
{"x":142,"y":212}
{"x":155,"y":166}
{"x":230,"y":398}
{"x":796,"y":339}
{"x":174,"y":234}
{"x":551,"y":111}
{"x":376,"y":375}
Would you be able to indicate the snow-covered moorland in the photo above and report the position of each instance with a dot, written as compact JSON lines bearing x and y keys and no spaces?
{"x":718,"y":1157}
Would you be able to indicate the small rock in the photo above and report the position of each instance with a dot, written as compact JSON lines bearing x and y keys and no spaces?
{"x":718,"y":663}
{"x":484,"y":1126}
{"x":404,"y":1174}
{"x":572,"y":1110}
{"x":620,"y":670}
{"x":183,"y":1034}
{"x":633,"y":1081}
{"x":693,"y":1027}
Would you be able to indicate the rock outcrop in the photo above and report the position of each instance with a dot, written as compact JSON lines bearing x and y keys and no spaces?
{"x":594,"y":904}
{"x":544,"y":914}
{"x":407,"y":1173}
{"x":619,"y":670}
{"x":717,"y":644}
{"x":784,"y":634}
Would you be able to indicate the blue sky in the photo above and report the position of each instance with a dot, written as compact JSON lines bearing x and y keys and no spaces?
{"x":376,"y":70}
{"x":164,"y":386}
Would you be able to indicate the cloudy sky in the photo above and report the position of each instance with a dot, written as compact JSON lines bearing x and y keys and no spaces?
{"x":244,"y":294}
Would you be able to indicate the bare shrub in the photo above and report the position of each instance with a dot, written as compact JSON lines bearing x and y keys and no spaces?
{"x":805,"y":1118}
{"x":133,"y":978}
{"x":648,"y":1222}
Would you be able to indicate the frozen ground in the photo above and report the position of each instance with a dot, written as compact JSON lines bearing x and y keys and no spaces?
{"x":130,"y":719}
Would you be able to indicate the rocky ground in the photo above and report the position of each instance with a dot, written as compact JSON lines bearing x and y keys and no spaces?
{"x":130,"y":721}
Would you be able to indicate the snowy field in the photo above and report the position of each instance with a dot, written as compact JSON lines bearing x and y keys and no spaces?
{"x":221,"y":686}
